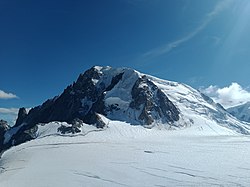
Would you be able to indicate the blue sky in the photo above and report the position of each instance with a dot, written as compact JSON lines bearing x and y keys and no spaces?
{"x":45,"y":45}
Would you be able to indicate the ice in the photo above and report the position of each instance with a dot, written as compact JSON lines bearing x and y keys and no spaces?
{"x":10,"y":133}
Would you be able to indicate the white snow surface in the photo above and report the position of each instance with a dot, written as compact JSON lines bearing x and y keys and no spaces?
{"x":125,"y":155}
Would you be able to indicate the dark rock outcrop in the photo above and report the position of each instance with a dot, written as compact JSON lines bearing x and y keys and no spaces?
{"x":74,"y":128}
{"x":69,"y":105}
{"x":152,"y":102}
{"x":22,"y":113}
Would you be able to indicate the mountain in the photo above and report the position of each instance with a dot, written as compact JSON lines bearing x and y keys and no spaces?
{"x":242,"y":112}
{"x":123,"y":94}
{"x":119,"y":127}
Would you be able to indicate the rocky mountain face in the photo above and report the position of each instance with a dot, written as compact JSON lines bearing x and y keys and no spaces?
{"x":95,"y":92}
{"x":120,"y":94}
{"x":242,"y":112}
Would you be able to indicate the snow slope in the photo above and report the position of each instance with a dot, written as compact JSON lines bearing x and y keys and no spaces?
{"x":125,"y":155}
{"x":196,"y":108}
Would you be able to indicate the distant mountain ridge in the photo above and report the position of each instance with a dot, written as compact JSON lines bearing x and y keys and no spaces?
{"x":242,"y":112}
{"x":122,"y":94}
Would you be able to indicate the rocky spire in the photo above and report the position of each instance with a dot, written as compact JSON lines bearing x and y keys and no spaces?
{"x":22,"y":114}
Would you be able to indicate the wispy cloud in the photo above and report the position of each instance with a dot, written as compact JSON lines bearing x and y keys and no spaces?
{"x":4,"y":95}
{"x":216,"y":40}
{"x":230,"y":96}
{"x":11,"y":111}
{"x":219,"y":7}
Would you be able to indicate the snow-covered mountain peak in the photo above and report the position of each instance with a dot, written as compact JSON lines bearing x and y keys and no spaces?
{"x":124,"y":94}
{"x":102,"y":76}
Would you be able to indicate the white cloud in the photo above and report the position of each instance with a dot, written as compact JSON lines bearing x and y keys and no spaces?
{"x":220,"y":6}
{"x":4,"y":95}
{"x":230,"y":96}
{"x":12,"y":111}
